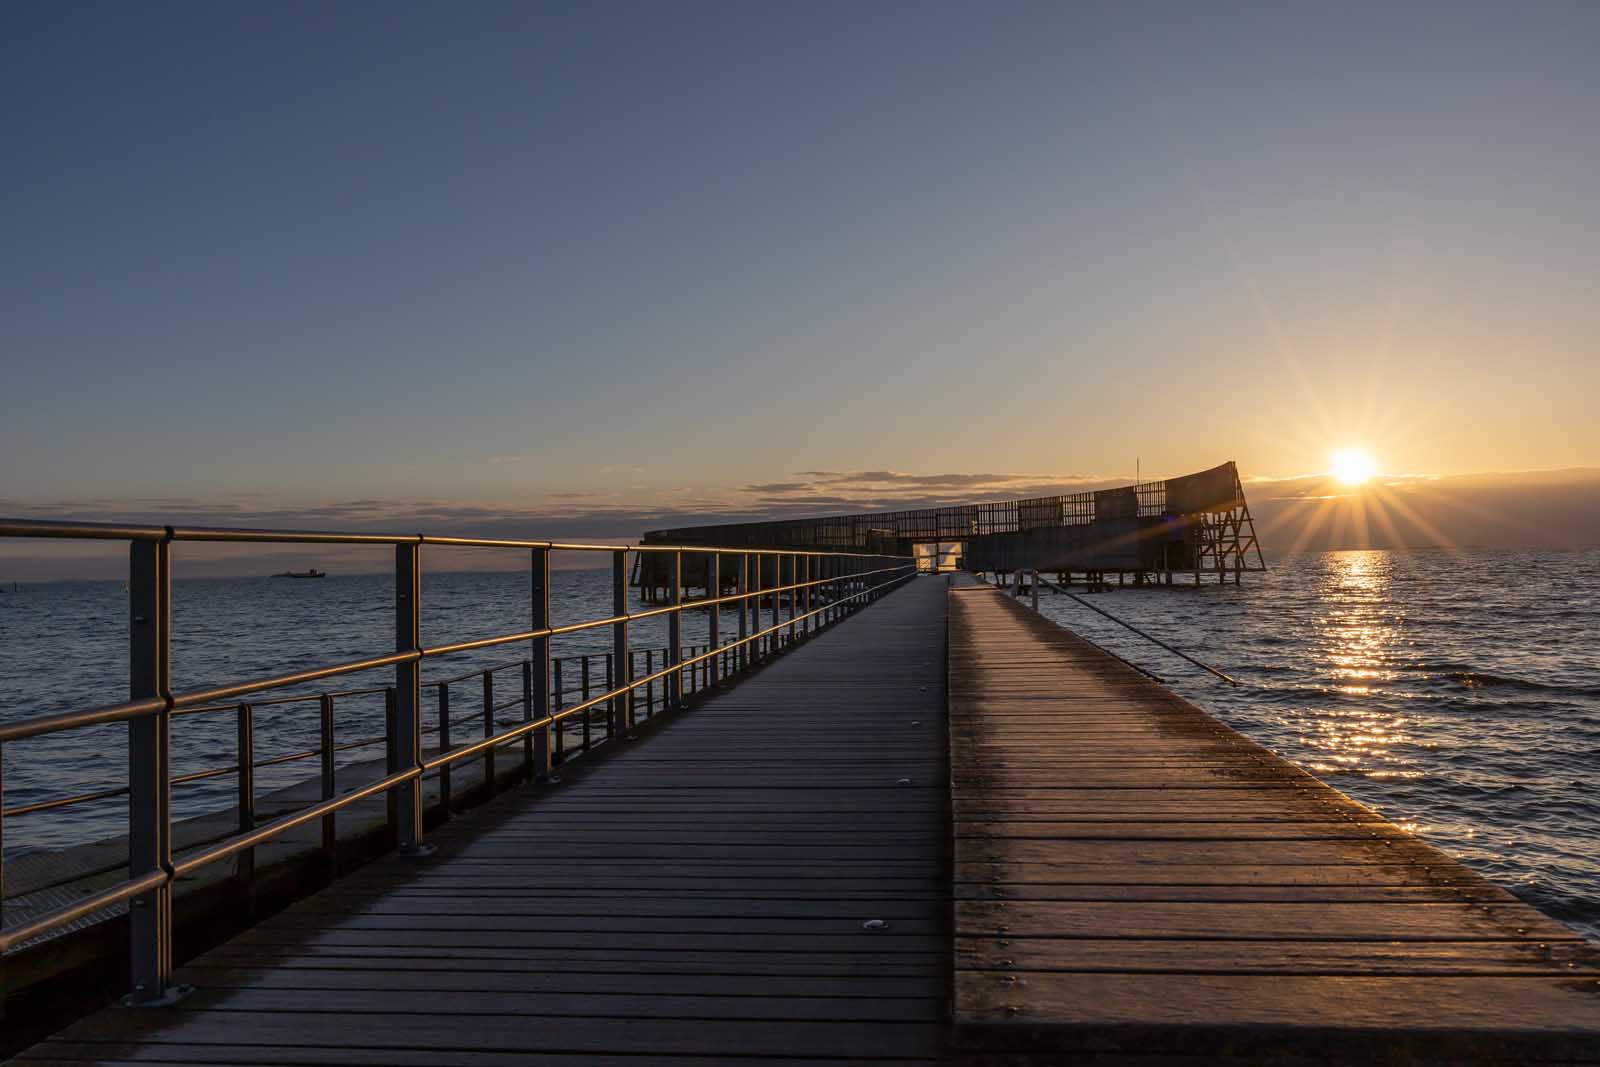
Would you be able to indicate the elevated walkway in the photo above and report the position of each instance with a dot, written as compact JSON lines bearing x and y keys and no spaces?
{"x":765,"y":878}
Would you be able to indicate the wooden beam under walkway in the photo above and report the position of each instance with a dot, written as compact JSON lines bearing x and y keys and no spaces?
{"x":763,"y":879}
{"x":1136,"y":882}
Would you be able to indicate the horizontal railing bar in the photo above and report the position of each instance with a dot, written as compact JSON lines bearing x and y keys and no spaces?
{"x":268,"y":831}
{"x":114,"y":713}
{"x":196,"y":776}
{"x":106,"y":898}
{"x":613,"y":620}
{"x":515,"y":732}
{"x":269,"y":702}
{"x":118,"y":712}
{"x":223,"y":692}
{"x":479,"y":673}
{"x":238,"y":843}
{"x":89,"y":531}
{"x":71,"y":720}
{"x":62,"y":802}
{"x":310,"y":537}
{"x":1128,"y":625}
{"x":121,"y":532}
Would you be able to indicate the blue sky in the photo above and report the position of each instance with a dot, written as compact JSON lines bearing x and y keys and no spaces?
{"x":293,"y":256}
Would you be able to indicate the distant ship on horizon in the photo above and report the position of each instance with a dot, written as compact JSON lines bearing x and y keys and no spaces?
{"x":312,"y":573}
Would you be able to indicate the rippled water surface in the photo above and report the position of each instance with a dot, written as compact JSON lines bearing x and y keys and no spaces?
{"x":1457,"y":693}
{"x":63,"y":646}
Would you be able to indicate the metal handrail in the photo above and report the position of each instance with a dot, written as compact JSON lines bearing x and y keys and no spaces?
{"x":219,"y":772}
{"x":846,"y":581}
{"x":102,"y":531}
{"x":1128,"y":625}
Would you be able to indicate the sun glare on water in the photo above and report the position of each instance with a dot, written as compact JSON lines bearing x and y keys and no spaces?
{"x":1351,"y":466}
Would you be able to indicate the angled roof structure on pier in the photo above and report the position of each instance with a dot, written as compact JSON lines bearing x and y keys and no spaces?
{"x":1194,"y":522}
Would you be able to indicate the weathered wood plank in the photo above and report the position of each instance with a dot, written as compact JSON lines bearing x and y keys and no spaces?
{"x":1134,"y":878}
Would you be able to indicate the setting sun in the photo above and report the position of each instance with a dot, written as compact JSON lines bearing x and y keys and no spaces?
{"x":1352,"y":466}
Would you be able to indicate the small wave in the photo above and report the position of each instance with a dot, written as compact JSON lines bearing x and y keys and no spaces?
{"x":1472,"y":678}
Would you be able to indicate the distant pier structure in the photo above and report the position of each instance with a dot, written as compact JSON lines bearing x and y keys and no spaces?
{"x":1195,"y":525}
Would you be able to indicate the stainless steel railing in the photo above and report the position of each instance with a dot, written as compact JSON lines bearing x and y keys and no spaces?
{"x":818,"y":587}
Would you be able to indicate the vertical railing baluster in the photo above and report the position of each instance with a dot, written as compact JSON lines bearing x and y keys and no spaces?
{"x":330,"y":825}
{"x":560,"y":703}
{"x":743,"y":656}
{"x":527,"y":716}
{"x":794,"y":594}
{"x":650,"y":686}
{"x":583,"y":696}
{"x":408,"y":692}
{"x":608,"y":683}
{"x":622,"y":706}
{"x":446,"y":743}
{"x":777,"y":583}
{"x":149,"y":771}
{"x":540,"y":660}
{"x":488,"y":729}
{"x":246,"y":748}
{"x":675,"y":632}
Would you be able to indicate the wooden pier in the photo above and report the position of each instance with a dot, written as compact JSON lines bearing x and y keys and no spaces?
{"x":1134,"y":878}
{"x":820,"y":865}
{"x":759,"y":879}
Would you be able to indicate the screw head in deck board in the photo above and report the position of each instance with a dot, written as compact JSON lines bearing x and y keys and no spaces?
{"x":875,"y":924}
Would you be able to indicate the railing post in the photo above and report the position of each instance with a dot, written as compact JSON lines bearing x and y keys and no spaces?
{"x":488,"y":729}
{"x":621,"y":657}
{"x":330,"y":825}
{"x":649,"y":687}
{"x":446,"y":743}
{"x":714,"y":621}
{"x":794,"y":594}
{"x":408,"y":693}
{"x":1035,"y":585}
{"x":675,"y":634}
{"x":149,"y":773}
{"x":539,"y":660}
{"x":246,"y":748}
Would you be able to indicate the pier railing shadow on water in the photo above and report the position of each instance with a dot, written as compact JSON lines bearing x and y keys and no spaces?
{"x":778,"y":596}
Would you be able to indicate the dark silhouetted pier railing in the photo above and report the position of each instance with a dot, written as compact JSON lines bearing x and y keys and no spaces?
{"x":816,"y":587}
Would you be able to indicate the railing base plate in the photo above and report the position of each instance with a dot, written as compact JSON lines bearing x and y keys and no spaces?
{"x":167,"y":999}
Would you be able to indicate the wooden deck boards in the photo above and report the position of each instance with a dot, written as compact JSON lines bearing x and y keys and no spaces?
{"x":1135,"y":879}
{"x":695,"y":898}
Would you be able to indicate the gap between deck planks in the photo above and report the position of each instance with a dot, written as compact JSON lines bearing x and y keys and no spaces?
{"x":697,"y":898}
{"x":1135,"y":879}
